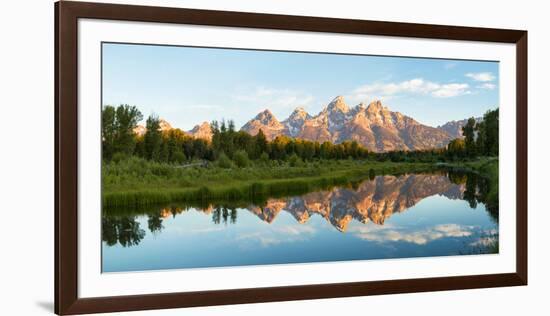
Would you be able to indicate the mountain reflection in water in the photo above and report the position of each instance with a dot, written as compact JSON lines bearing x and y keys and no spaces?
{"x":372,"y":200}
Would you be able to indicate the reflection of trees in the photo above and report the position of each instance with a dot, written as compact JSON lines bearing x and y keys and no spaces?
{"x":124,"y":230}
{"x":223,"y":214}
{"x":372,"y":174}
{"x":216,"y":215}
{"x":470,"y":194}
{"x":477,"y":190}
{"x":372,"y":200}
{"x":457,"y":177}
{"x":154,"y":222}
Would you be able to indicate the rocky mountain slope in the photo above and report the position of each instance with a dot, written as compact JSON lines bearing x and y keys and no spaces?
{"x":164,"y":126}
{"x":267,"y":122}
{"x":454,"y":128}
{"x":373,"y":126}
{"x":201,"y":131}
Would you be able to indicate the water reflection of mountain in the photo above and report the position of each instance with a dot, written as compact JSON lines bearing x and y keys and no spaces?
{"x":374,"y":200}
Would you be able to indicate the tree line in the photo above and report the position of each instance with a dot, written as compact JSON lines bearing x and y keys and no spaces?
{"x":480,"y":138}
{"x":231,"y":147}
{"x":227,"y":144}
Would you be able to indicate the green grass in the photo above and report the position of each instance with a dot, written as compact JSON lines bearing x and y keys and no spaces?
{"x":136,"y":182}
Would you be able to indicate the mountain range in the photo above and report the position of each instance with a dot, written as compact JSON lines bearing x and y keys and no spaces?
{"x":374,"y":126}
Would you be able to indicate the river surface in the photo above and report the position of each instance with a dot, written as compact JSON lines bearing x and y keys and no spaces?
{"x":413,"y":215}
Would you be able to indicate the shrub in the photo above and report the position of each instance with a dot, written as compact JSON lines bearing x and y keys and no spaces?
{"x":179,"y":157}
{"x":118,"y":157}
{"x":294,"y":161}
{"x":224,"y":161}
{"x":240,"y":157}
{"x":264,"y":157}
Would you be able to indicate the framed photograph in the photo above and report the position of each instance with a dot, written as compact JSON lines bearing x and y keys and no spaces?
{"x":210,"y":157}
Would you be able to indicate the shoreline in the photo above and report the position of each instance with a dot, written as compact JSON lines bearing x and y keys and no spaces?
{"x":302,"y":180}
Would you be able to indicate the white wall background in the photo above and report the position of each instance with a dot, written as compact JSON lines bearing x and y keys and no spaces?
{"x":26,"y":171}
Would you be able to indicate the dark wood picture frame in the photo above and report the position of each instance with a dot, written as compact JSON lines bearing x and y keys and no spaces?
{"x":66,"y":156}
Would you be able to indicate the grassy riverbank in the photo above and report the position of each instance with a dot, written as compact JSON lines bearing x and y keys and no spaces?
{"x":137,"y":182}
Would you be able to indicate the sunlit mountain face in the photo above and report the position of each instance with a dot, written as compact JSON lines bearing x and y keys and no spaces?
{"x":373,"y":126}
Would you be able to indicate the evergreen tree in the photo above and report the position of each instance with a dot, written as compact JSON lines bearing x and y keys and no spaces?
{"x":108,"y":131}
{"x":260,"y":143}
{"x":153,"y":138}
{"x":481,"y":138}
{"x":469,"y":136}
{"x":491,"y":132}
{"x":164,"y":154}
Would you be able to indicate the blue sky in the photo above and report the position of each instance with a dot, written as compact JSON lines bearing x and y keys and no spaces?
{"x":188,"y":85}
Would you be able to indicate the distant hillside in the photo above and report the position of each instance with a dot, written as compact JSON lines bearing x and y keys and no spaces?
{"x":454,"y":128}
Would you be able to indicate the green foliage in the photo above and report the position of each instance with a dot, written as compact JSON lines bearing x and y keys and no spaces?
{"x":127,"y":118}
{"x":260,"y":144}
{"x":481,"y":139}
{"x":225,"y":139}
{"x":372,"y":174}
{"x":469,"y":132}
{"x":118,"y":157}
{"x":294,"y":160}
{"x":264,"y":157}
{"x":456,"y":148}
{"x":117,"y":129}
{"x":153,"y":138}
{"x":242,"y":149}
{"x":179,"y":157}
{"x":240,"y":157}
{"x":487,"y":141}
{"x":124,"y":230}
{"x":108,"y":131}
{"x":224,"y":161}
{"x":481,"y":184}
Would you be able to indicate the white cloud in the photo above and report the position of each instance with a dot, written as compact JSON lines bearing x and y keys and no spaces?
{"x":487,"y":86}
{"x":489,"y":237}
{"x":451,"y":90}
{"x":481,"y":76}
{"x":273,"y":235}
{"x":413,"y":86}
{"x":420,"y":237}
